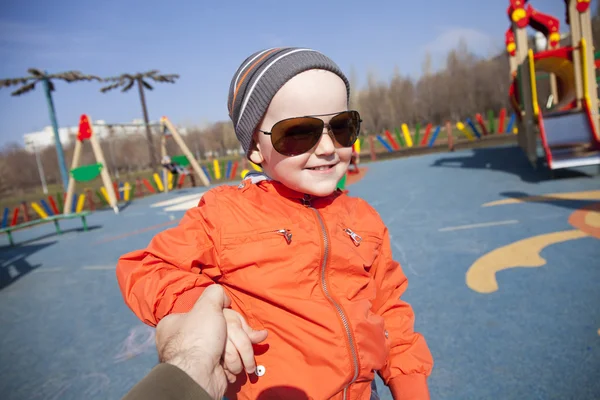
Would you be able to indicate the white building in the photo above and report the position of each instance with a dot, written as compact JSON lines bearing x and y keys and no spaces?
{"x":102,"y":130}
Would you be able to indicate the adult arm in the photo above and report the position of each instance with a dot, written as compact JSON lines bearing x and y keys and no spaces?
{"x":167,"y":382}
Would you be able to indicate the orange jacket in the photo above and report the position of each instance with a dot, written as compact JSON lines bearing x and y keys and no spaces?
{"x":316,"y":273}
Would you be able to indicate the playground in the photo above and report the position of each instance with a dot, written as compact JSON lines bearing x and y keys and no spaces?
{"x":494,"y":218}
{"x":501,"y":260}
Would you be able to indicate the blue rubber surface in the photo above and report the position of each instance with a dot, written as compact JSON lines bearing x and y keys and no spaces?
{"x":65,"y":332}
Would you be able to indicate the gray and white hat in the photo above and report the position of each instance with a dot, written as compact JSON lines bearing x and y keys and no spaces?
{"x":258,"y":79}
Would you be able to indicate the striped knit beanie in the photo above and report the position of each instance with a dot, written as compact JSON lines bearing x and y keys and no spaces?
{"x":258,"y":79}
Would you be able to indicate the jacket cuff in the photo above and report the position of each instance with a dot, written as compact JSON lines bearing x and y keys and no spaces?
{"x":167,"y":382}
{"x":186,"y":300}
{"x":409,"y":387}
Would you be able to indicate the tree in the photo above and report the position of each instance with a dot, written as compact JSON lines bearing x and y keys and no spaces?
{"x":127,"y":81}
{"x":28,"y":84}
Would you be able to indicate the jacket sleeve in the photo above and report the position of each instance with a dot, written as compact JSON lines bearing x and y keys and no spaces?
{"x":410,"y":361}
{"x":170,"y":274}
{"x":167,"y":382}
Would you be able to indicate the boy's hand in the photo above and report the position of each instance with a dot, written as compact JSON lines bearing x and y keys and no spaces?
{"x":238,"y":347}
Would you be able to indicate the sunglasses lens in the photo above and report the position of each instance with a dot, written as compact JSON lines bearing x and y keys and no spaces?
{"x":296,"y":135}
{"x":346,"y":127}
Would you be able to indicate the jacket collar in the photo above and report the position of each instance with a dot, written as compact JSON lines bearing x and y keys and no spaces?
{"x":262,"y":180}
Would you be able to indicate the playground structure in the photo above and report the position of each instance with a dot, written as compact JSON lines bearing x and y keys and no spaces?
{"x":86,"y":173}
{"x":178,"y":165}
{"x":568,"y":125}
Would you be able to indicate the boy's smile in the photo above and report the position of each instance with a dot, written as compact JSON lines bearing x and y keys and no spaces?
{"x":317,"y":171}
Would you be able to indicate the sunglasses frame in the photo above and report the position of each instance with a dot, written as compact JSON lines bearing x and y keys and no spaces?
{"x":325,"y":126}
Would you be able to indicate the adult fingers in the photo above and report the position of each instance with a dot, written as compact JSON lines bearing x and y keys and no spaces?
{"x":257,"y":336}
{"x":242,"y":343}
{"x":230,"y":377}
{"x":254,"y":335}
{"x":213,"y":296}
{"x":231,"y":358}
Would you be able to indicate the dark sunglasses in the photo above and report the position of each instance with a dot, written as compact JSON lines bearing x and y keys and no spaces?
{"x":294,"y":136}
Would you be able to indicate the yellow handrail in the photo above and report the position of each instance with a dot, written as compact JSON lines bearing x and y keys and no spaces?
{"x":534,"y":100}
{"x":584,"y":72}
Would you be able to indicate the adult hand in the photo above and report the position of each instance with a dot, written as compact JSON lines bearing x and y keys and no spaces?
{"x":195,"y":341}
{"x":239,"y":353}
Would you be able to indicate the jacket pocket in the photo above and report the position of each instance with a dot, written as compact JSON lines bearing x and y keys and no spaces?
{"x":356,"y":254}
{"x":362,"y":245}
{"x":255,"y":235}
{"x":259,"y":248}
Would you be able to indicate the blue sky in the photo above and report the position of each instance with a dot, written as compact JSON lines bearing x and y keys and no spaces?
{"x":205,"y":41}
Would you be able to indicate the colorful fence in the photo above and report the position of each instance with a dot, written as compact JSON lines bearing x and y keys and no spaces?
{"x":471,"y":129}
{"x":215,"y":171}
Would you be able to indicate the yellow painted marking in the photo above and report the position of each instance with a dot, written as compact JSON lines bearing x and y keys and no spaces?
{"x":592,"y":219}
{"x":588,"y":195}
{"x":158,"y":182}
{"x":80,"y":203}
{"x":534,"y":99}
{"x":217,"y":169}
{"x":407,"y":137}
{"x":127,"y":189}
{"x":481,"y":276}
{"x":39,"y":210}
{"x":105,"y":194}
{"x":586,"y":86}
{"x":461,"y":127}
{"x":170,"y":180}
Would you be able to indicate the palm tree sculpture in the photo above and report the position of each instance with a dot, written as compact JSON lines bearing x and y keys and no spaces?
{"x":29,"y":83}
{"x":127,"y":81}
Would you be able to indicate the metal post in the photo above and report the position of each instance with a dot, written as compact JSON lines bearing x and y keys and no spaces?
{"x":111,"y":149}
{"x":59,"y":150}
{"x":40,"y":168}
{"x":153,"y":160}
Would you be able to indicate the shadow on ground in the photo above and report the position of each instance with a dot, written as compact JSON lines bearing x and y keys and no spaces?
{"x":509,"y":159}
{"x":13,"y":263}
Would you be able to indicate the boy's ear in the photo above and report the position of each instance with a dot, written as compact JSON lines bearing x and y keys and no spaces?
{"x":254,"y":153}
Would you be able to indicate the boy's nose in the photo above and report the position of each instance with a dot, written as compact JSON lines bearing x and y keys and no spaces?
{"x":325,"y":145}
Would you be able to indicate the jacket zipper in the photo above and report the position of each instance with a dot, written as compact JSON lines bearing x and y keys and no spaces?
{"x":286,"y":233}
{"x":340,"y":311}
{"x":356,"y":239}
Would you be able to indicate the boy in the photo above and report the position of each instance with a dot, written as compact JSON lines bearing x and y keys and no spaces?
{"x":298,"y":258}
